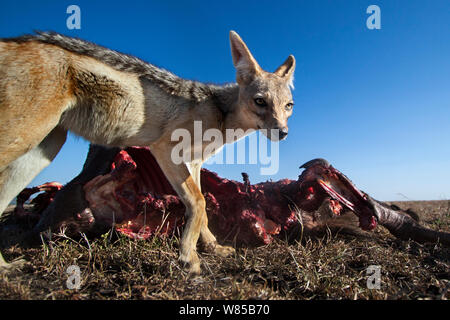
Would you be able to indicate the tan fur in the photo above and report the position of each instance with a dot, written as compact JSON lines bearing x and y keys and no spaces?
{"x":115,"y":100}
{"x":46,"y":89}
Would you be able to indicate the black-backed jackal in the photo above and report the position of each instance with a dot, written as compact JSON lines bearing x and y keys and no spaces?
{"x":50,"y":83}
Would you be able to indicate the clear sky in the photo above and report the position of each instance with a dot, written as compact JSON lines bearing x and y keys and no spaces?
{"x":375,"y":103}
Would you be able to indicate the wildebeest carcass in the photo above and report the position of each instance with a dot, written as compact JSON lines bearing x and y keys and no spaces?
{"x":126,"y":190}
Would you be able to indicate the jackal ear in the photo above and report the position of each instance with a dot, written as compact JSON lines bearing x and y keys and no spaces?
{"x":246,"y":66}
{"x":286,"y":70}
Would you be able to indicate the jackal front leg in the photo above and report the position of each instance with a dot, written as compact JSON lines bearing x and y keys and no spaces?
{"x":208,"y":239}
{"x":184,"y":185}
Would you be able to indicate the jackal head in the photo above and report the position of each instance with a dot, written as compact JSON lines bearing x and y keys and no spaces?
{"x":265,"y":98}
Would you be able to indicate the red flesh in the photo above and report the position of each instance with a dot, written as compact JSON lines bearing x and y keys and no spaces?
{"x":138,"y":200}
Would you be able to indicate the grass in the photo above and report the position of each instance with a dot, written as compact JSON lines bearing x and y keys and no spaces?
{"x":331,"y":267}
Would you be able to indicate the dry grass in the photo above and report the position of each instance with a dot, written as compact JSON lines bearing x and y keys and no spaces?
{"x":333,"y":267}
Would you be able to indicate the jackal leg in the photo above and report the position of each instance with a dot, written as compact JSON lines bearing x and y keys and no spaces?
{"x":184,"y":185}
{"x":19,"y":173}
{"x":206,"y":236}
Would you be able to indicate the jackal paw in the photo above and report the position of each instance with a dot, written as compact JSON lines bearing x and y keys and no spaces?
{"x":13,"y":265}
{"x":221,"y":251}
{"x":191,"y":262}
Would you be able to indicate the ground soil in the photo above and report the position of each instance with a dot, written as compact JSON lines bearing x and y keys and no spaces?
{"x":330,"y":267}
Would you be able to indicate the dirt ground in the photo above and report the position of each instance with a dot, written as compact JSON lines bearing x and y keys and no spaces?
{"x":334,"y":266}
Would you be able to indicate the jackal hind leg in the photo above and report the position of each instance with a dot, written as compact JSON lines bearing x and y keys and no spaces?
{"x":19,"y":173}
{"x":208,"y":240}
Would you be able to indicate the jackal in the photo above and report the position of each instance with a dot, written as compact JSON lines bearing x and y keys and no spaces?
{"x":50,"y":83}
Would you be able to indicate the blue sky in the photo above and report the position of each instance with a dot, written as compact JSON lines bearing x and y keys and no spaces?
{"x":375,"y":103}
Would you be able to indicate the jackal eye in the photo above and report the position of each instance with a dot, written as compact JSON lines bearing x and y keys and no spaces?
{"x":260,"y":102}
{"x":289,"y":106}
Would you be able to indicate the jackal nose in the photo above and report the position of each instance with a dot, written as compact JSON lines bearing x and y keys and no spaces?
{"x":283,"y":132}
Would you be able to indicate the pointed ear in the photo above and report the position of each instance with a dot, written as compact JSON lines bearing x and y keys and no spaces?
{"x":286,"y":70}
{"x":246,"y":66}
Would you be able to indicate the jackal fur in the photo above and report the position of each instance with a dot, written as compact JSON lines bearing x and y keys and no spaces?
{"x":50,"y":83}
